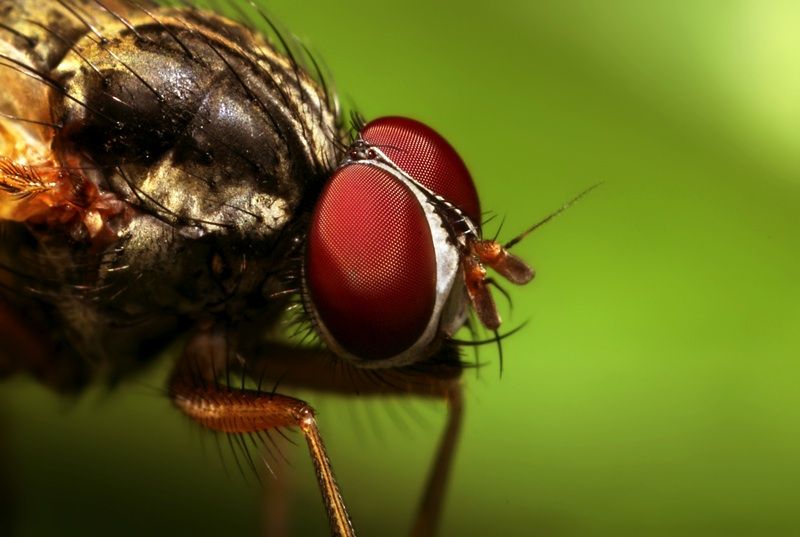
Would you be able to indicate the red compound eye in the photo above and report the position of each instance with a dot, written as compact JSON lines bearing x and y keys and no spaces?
{"x":428,"y":158}
{"x":370,"y":266}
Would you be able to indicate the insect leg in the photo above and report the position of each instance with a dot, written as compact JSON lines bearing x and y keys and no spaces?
{"x":240,"y":411}
{"x":430,"y":508}
{"x":300,"y":367}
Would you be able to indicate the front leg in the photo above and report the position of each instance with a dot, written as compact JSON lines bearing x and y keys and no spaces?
{"x":195,"y":391}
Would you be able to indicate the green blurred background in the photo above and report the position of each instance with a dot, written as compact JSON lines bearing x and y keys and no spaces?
{"x":655,"y":388}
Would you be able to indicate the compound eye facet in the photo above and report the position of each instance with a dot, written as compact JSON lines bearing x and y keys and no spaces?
{"x":428,"y":158}
{"x":370,"y":265}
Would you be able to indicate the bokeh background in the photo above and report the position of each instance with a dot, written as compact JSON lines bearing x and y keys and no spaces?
{"x":654,"y":391}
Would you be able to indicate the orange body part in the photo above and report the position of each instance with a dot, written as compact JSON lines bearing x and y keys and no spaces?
{"x":54,"y":196}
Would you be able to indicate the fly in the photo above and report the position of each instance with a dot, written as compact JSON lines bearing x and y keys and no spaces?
{"x":167,"y":171}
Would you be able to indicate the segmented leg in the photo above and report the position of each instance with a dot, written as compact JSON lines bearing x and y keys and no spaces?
{"x":430,"y":508}
{"x":439,"y":378}
{"x":194,"y":390}
{"x":196,"y":393}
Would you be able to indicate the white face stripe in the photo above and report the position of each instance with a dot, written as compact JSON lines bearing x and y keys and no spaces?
{"x":448,"y":264}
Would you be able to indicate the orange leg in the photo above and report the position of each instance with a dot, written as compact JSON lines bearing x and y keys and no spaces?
{"x":195,"y":391}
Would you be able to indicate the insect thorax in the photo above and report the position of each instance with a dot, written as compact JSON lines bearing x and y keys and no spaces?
{"x":193,"y":150}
